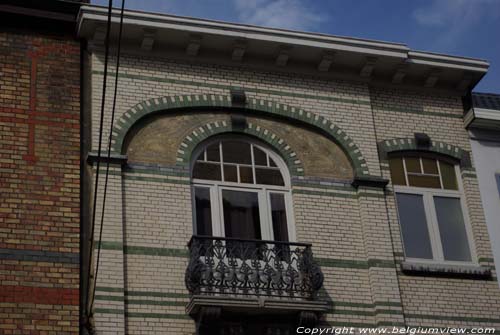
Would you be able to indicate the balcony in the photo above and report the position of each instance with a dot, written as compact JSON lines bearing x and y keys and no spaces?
{"x":253,"y":277}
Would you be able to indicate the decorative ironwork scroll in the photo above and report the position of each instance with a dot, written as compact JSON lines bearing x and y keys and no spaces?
{"x":252,"y":267}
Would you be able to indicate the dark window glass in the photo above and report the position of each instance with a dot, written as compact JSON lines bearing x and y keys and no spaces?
{"x":452,"y":229}
{"x":278,"y":214}
{"x":397,"y":171}
{"x":236,"y":152}
{"x":213,"y":153}
{"x":259,"y":157}
{"x":448,"y":176}
{"x":246,"y":174}
{"x":413,"y":222}
{"x":241,"y":214}
{"x":412,"y":165}
{"x":230,"y":173}
{"x":424,"y":181}
{"x":269,"y":177}
{"x":430,"y":166}
{"x":203,"y":211}
{"x":207,"y":171}
{"x":272,"y":163}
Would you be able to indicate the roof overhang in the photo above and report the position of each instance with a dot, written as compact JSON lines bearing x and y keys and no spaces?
{"x":315,"y":54}
{"x":481,"y":118}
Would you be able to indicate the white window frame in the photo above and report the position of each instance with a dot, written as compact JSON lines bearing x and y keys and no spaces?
{"x":428,"y":195}
{"x":264,"y":191}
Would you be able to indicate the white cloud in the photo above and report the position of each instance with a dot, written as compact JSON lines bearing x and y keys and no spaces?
{"x":454,"y":17}
{"x":286,"y":14}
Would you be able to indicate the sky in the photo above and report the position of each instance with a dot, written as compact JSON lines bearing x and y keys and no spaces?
{"x":468,"y":28}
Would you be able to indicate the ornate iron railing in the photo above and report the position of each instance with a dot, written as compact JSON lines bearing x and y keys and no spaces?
{"x":252,"y":267}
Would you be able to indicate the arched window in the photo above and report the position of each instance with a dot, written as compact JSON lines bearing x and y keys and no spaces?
{"x":430,"y":205}
{"x":241,"y":189}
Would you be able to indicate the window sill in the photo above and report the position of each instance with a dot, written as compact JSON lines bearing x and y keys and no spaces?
{"x":446,"y":270}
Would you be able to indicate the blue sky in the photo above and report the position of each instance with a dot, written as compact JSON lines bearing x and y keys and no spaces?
{"x":460,"y":27}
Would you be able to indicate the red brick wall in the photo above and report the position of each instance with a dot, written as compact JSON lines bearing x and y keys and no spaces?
{"x":39,"y":184}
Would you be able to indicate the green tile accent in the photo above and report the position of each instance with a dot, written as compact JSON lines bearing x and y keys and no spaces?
{"x":109,"y":297}
{"x":169,"y":252}
{"x":417,"y":111}
{"x":451,"y":318}
{"x":108,"y":289}
{"x":156,"y":294}
{"x":109,"y":245}
{"x":155,"y":302}
{"x":157,"y":180}
{"x":269,"y":107}
{"x":157,"y":315}
{"x":109,"y":311}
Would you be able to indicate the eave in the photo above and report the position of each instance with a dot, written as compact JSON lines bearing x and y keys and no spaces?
{"x":326,"y":56}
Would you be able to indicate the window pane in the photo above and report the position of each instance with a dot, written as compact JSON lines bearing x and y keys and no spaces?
{"x":272,"y":163}
{"x":412,"y":164}
{"x":241,"y":214}
{"x":413,"y":222}
{"x":397,"y":171}
{"x":259,"y":156}
{"x":201,"y":156}
{"x":430,"y":166}
{"x":213,"y":153}
{"x":246,"y":175}
{"x":278,"y":214}
{"x":452,"y":229}
{"x":236,"y":152}
{"x":448,"y":175}
{"x":269,"y":177}
{"x":230,"y":173}
{"x":203,"y":211}
{"x":424,"y":181}
{"x":207,"y":171}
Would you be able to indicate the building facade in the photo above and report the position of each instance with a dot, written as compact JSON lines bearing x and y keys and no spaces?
{"x":39,"y":168}
{"x":483,"y":122}
{"x":263,"y":179}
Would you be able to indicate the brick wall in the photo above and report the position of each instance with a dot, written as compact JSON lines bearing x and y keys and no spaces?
{"x":354,"y":232}
{"x":39,"y":184}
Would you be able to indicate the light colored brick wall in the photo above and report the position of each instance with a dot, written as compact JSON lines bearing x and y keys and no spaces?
{"x":355,"y":233}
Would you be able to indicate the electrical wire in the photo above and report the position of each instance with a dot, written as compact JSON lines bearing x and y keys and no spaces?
{"x":109,"y":149}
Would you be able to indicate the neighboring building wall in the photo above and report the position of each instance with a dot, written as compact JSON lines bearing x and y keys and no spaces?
{"x":39,"y":183}
{"x":354,"y":236}
{"x":486,"y":151}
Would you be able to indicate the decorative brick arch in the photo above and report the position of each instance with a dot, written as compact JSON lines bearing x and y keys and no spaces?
{"x":147,"y":107}
{"x":210,"y":129}
{"x":442,"y":148}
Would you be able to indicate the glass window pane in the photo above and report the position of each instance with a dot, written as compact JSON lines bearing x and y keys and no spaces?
{"x":413,"y":164}
{"x":413,"y":223}
{"x":213,"y":153}
{"x":269,"y":177}
{"x":241,"y":214}
{"x":278,"y":214}
{"x":230,"y":173}
{"x":272,"y":163}
{"x":203,"y":211}
{"x":448,"y":175}
{"x":397,"y":171}
{"x":201,"y":156}
{"x":246,"y":174}
{"x":259,"y":156}
{"x":424,"y":181}
{"x":430,"y":166}
{"x":452,"y":229}
{"x":236,"y":152}
{"x":207,"y":171}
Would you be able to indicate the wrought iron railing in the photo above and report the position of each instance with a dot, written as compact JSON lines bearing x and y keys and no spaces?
{"x":252,"y":267}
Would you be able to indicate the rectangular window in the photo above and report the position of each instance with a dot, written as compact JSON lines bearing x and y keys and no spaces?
{"x":203,"y":211}
{"x":241,"y":214}
{"x":413,"y":222}
{"x":452,"y":229}
{"x":428,"y":198}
